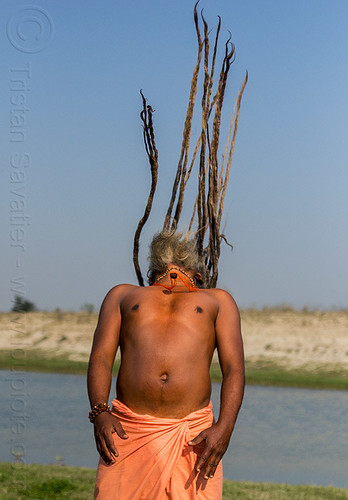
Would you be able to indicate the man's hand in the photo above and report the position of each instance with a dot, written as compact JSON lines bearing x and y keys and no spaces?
{"x":216,"y":443}
{"x":105,"y":425}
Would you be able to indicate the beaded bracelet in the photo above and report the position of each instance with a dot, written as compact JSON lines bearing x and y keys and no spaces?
{"x":100,"y":408}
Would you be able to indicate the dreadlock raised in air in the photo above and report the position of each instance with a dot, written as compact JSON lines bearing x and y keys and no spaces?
{"x":212,"y":178}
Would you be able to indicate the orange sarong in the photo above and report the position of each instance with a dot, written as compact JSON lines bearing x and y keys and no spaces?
{"x":155,"y":462}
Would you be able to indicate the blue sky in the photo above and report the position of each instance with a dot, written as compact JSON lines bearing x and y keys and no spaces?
{"x":88,"y":178}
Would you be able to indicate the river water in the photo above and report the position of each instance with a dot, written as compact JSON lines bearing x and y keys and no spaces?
{"x":283,"y":435}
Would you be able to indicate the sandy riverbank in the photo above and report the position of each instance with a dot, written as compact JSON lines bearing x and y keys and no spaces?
{"x":289,"y":338}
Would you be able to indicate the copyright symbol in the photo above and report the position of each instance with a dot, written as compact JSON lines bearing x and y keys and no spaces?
{"x":30,"y":30}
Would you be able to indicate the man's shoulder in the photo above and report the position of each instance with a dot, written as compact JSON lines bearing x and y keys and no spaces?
{"x":122,"y":287}
{"x":222,"y":296}
{"x":218,"y":292}
{"x":118,"y":292}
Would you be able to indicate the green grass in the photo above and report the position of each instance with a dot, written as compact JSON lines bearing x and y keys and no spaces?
{"x":38,"y":361}
{"x":35,"y":482}
{"x":257,"y":373}
{"x":268,"y":491}
{"x":270,"y":374}
{"x":53,"y":482}
{"x":321,"y":378}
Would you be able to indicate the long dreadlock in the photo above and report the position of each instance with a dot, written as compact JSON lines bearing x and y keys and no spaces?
{"x":212,"y":179}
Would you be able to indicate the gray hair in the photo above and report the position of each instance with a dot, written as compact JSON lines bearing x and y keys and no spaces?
{"x":171,"y":247}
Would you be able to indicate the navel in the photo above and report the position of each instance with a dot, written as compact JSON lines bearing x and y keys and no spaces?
{"x":199,"y":309}
{"x":164,"y":377}
{"x":135,"y":307}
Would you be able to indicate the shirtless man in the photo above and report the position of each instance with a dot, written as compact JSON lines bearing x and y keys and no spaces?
{"x":167,"y":334}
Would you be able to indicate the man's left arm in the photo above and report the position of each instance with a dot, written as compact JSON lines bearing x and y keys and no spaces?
{"x":230,"y":350}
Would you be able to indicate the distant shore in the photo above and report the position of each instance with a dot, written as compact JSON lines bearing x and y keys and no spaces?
{"x":283,"y":347}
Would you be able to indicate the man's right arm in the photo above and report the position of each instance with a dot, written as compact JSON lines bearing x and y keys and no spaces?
{"x":105,"y":343}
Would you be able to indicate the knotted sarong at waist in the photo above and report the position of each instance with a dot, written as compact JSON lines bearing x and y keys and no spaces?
{"x":155,"y":462}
